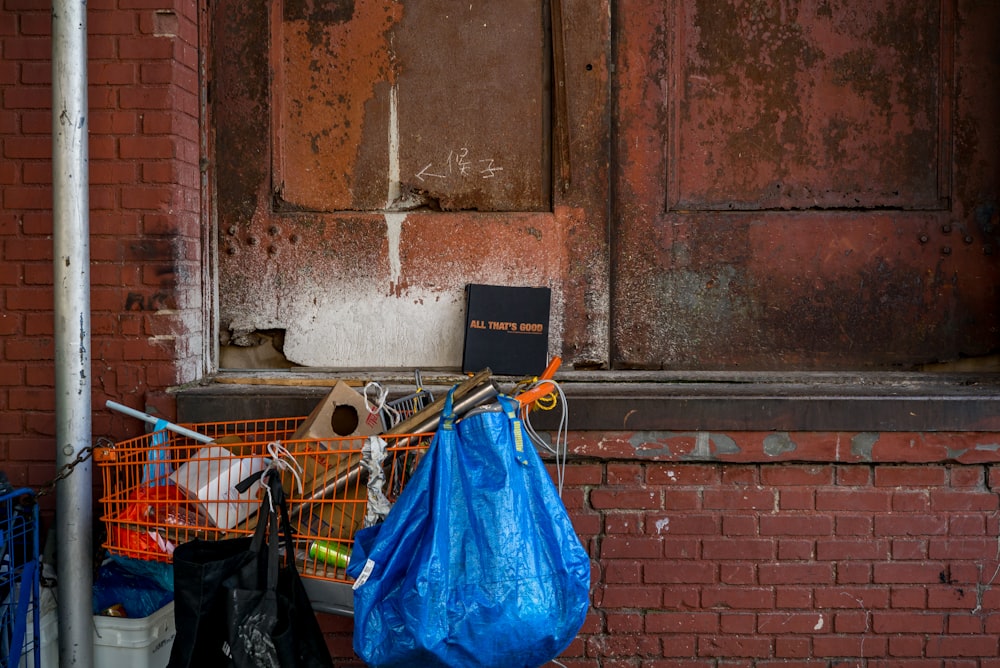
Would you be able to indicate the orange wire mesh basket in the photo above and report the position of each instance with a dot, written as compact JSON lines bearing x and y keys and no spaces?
{"x":163,"y":489}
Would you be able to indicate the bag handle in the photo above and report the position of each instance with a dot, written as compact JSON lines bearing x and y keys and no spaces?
{"x":448,"y":411}
{"x":267,"y":528}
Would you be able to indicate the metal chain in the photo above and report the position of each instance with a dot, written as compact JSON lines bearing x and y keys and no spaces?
{"x":67,"y":469}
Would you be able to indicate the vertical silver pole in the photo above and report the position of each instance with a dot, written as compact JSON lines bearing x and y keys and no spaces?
{"x":71,"y":257}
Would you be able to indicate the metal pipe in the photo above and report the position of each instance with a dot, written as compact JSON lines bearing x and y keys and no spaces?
{"x":71,"y":261}
{"x":146,"y":417}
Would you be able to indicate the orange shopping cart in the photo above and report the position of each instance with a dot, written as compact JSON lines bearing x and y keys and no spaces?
{"x":182,"y":482}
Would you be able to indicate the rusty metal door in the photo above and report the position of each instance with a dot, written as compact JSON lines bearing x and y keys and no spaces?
{"x":806,"y":184}
{"x":371,"y":157}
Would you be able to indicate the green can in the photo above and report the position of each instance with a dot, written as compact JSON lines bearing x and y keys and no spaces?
{"x":330,"y":553}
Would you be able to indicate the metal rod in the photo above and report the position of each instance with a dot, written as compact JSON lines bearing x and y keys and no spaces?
{"x":71,"y":307}
{"x":146,"y":417}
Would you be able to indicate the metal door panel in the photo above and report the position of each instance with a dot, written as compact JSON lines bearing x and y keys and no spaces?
{"x":751,"y":233}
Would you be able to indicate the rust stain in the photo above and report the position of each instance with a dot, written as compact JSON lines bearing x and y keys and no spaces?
{"x":332,"y":56}
{"x":866,"y":84}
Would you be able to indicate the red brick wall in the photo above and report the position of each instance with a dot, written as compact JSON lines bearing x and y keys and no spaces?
{"x":711,"y":564}
{"x":145,"y":218}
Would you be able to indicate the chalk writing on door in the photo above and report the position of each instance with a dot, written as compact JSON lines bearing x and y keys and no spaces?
{"x":460,"y":164}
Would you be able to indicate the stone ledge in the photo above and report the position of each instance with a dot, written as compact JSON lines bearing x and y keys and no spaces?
{"x":641,"y":401}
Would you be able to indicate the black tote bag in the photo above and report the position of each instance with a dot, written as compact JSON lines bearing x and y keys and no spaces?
{"x":239,"y":604}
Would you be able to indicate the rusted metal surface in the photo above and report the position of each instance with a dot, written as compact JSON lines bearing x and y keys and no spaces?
{"x":806,"y":184}
{"x":460,"y":86}
{"x":383,"y":154}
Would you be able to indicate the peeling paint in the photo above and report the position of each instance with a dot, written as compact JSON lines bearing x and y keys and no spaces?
{"x":863,"y":444}
{"x":778,"y":444}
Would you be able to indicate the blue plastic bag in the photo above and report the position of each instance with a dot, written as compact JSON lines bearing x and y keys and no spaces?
{"x":477,"y":564}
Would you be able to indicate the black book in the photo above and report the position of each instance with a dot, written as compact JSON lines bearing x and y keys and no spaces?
{"x":506,"y":329}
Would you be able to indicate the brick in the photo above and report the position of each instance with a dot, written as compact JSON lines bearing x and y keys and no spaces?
{"x":863,"y":598}
{"x":910,"y":476}
{"x":792,"y":648}
{"x":796,"y":499}
{"x":909,"y":549}
{"x":681,"y":548}
{"x":739,"y":475}
{"x":683,"y":475}
{"x":111,"y":73}
{"x":962,"y":548}
{"x":624,"y":523}
{"x":790,"y":622}
{"x":144,"y":146}
{"x":966,"y":525}
{"x":884,"y":621}
{"x":113,"y":122}
{"x":909,"y":573}
{"x":27,"y":48}
{"x":845,"y":549}
{"x":854,"y":573}
{"x":854,"y":525}
{"x":679,"y":572}
{"x":676,"y":499}
{"x":30,"y":349}
{"x":854,"y":476}
{"x":908,"y":597}
{"x":151,"y":98}
{"x":30,"y":449}
{"x":965,"y":623}
{"x":634,"y":547}
{"x":734,"y":646}
{"x":740,"y":499}
{"x":623,"y":572}
{"x":737,"y":623}
{"x":953,"y":646}
{"x":681,"y":597}
{"x":622,"y":474}
{"x":689,"y":524}
{"x":112,"y":23}
{"x":793,"y":597}
{"x":796,"y":525}
{"x":31,"y":197}
{"x":911,"y":501}
{"x":946,"y":500}
{"x":796,"y":550}
{"x":146,"y":48}
{"x":793,"y":475}
{"x":739,"y":525}
{"x":624,"y":622}
{"x":629,"y":596}
{"x":738,"y":598}
{"x":604,"y":499}
{"x":737,"y":574}
{"x":37,"y":223}
{"x":852,"y":622}
{"x":682,"y":622}
{"x":40,"y":375}
{"x":967,"y":476}
{"x":738,"y":548}
{"x":844,"y":646}
{"x":907,"y":645}
{"x":911,"y":525}
{"x":853,"y":500}
{"x":795,"y":574}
